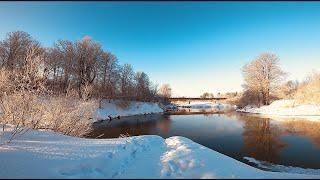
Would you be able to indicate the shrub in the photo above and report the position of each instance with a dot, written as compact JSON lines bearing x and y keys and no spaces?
{"x":69,"y":115}
{"x":309,"y":91}
{"x":26,"y":104}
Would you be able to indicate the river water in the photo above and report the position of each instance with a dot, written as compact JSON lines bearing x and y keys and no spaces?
{"x":283,"y":141}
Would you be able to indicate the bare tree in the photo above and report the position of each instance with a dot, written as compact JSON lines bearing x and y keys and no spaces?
{"x":108,"y":74}
{"x":13,"y":49}
{"x":126,"y":81}
{"x":60,"y":63}
{"x":263,"y":75}
{"x":88,"y":54}
{"x":165,"y":90}
{"x":154,"y":91}
{"x":142,"y":86}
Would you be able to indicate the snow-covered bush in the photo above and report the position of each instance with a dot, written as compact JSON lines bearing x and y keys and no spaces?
{"x":68,"y":115}
{"x":26,"y":104}
{"x":309,"y":91}
{"x":22,"y":110}
{"x":19,"y":91}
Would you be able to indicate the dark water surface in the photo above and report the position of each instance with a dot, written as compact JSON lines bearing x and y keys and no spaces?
{"x":290,"y":142}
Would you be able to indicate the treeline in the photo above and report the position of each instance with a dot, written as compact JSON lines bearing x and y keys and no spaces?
{"x":59,"y":87}
{"x":81,"y":66}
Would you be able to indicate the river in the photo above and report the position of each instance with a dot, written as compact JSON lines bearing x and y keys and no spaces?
{"x":289,"y":142}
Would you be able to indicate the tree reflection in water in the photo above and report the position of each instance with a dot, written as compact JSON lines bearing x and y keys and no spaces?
{"x":298,"y":126}
{"x":164,"y":124}
{"x":261,"y":138}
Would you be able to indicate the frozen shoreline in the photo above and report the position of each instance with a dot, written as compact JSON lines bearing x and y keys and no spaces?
{"x":207,"y":105}
{"x":285,"y":108}
{"x":45,"y":154}
{"x":112,"y":109}
{"x":288,"y":169}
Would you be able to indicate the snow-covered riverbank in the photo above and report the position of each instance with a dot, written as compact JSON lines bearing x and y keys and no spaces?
{"x":285,"y":108}
{"x":115,"y":108}
{"x":45,"y":154}
{"x":206,"y":105}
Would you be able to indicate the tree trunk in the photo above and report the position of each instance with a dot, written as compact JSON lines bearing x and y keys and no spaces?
{"x":264,"y":98}
{"x":79,"y":91}
{"x":267,"y":97}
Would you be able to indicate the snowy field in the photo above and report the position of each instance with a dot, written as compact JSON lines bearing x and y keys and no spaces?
{"x":286,"y":108}
{"x":114,"y":108}
{"x":45,"y":154}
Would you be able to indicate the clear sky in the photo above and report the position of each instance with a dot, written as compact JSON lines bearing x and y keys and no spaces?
{"x":196,"y":47}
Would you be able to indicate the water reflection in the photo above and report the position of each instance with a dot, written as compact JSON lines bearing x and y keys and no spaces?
{"x":275,"y":140}
{"x":309,"y":129}
{"x":165,"y":125}
{"x":262,"y":139}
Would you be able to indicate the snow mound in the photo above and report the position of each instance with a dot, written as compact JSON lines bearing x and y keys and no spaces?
{"x":187,"y":159}
{"x":45,"y":154}
{"x":284,"y":108}
{"x":113,"y":109}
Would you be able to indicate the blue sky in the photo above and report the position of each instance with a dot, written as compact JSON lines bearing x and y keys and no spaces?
{"x":195,"y":46}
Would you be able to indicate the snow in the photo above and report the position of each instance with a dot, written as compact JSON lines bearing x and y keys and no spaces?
{"x":45,"y":154}
{"x":113,"y":109}
{"x":281,"y":168}
{"x":207,"y":105}
{"x":284,"y":108}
